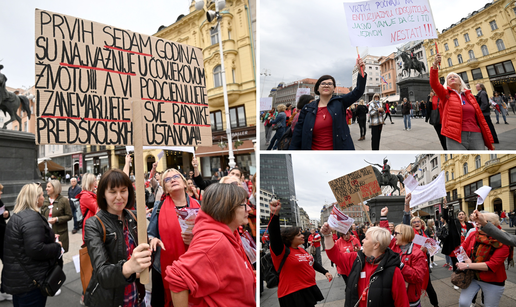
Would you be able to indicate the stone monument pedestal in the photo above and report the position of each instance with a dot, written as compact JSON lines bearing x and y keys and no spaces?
{"x":414,"y":89}
{"x":394,"y":203}
{"x":18,"y":154}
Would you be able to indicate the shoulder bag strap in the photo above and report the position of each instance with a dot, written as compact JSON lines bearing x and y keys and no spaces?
{"x":287,"y":252}
{"x":103,"y":228}
{"x":132,"y":214}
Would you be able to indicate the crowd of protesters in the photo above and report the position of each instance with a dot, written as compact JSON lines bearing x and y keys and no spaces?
{"x":188,"y":265}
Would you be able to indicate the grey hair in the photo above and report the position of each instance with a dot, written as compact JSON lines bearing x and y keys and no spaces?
{"x":463,"y":85}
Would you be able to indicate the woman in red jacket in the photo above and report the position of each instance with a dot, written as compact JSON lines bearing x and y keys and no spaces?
{"x":215,"y":268}
{"x":463,"y":124}
{"x":486,"y":259}
{"x":88,"y":199}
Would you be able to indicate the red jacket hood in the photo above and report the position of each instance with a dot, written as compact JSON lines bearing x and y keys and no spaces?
{"x":205,"y":223}
{"x":86,"y":194}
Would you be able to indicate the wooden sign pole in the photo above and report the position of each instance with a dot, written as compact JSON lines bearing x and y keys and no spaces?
{"x":364,"y":208}
{"x":140,"y":179}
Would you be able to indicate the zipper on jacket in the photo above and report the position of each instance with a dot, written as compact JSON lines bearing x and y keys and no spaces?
{"x":94,"y":288}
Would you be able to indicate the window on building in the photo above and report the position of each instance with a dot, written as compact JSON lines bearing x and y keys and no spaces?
{"x":495,"y":181}
{"x":452,"y":175}
{"x":476,"y":73}
{"x":214,"y":36}
{"x":514,"y":10}
{"x":376,"y":68}
{"x":478,"y":162}
{"x":466,"y":37}
{"x":216,"y":121}
{"x":445,"y":157}
{"x":512,"y":176}
{"x":459,"y":58}
{"x":446,"y":47}
{"x":237,"y":117}
{"x":456,"y":42}
{"x":455,"y":195}
{"x":447,"y":176}
{"x":471,"y":188}
{"x":500,"y":69}
{"x":217,"y":76}
{"x":479,"y":31}
{"x":471,"y":54}
{"x":500,"y":45}
{"x":493,"y":156}
{"x":389,"y":75}
{"x":484,"y":49}
{"x":465,"y":168}
{"x":493,"y":25}
{"x":390,"y":85}
{"x":431,"y":51}
{"x":464,"y":76}
{"x":450,"y":62}
{"x":26,"y":126}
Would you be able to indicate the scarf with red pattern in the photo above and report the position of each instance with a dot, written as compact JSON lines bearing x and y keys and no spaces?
{"x":484,"y":248}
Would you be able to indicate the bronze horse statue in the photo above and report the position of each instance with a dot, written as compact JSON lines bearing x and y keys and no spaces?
{"x":10,"y":102}
{"x":392,"y":180}
{"x":412,"y":64}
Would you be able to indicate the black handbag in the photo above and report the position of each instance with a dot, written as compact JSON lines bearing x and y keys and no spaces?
{"x":435,"y":118}
{"x":54,"y":279}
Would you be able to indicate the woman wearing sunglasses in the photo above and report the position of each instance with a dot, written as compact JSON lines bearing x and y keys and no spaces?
{"x":413,"y":261}
{"x":215,"y":269}
{"x":171,"y":246}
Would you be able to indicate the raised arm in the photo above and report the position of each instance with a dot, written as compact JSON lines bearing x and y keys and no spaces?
{"x":434,"y":79}
{"x":358,"y":91}
{"x":277,"y":245}
{"x":127,"y":165}
{"x":406,"y":210}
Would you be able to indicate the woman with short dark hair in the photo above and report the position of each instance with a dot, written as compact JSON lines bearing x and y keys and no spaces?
{"x":119,"y":259}
{"x":215,"y":269}
{"x":297,"y":286}
{"x":322,"y":123}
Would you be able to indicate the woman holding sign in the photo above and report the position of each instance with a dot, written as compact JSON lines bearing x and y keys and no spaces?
{"x":297,"y":286}
{"x":463,"y":124}
{"x":486,"y":257}
{"x":215,"y":270}
{"x":322,"y":123}
{"x":164,"y":220}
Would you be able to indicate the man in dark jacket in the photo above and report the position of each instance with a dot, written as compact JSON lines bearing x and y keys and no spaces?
{"x":73,"y":191}
{"x":405,"y":111}
{"x":483,"y":101}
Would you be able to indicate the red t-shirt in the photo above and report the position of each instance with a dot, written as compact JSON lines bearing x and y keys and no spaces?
{"x":347,"y":247}
{"x":463,"y":232}
{"x":297,"y":272}
{"x":322,"y":136}
{"x":469,"y":118}
{"x":316,"y":237}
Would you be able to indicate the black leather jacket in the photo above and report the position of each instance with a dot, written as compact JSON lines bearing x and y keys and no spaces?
{"x":107,"y":284}
{"x":29,"y":241}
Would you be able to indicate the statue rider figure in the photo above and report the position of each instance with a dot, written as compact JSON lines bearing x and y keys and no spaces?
{"x":386,"y":170}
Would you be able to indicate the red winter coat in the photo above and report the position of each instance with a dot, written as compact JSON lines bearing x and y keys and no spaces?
{"x":450,"y":109}
{"x":88,"y":201}
{"x":496,"y":272}
{"x":215,"y":267}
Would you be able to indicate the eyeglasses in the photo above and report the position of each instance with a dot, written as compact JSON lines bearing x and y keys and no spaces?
{"x":414,"y":222}
{"x":176,"y":177}
{"x":327,"y":84}
{"x":396,"y":233}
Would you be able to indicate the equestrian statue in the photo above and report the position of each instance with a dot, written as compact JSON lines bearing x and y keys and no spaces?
{"x":385,"y":178}
{"x":10,"y":102}
{"x":410,"y":62}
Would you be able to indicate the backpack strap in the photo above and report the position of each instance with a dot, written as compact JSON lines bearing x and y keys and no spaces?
{"x":287,"y":252}
{"x":103,"y":228}
{"x":132,"y":214}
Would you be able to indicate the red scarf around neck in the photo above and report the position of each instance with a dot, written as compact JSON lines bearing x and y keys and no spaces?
{"x":170,"y":233}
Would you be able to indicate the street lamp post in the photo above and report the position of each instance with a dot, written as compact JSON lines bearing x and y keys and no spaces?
{"x":211,"y":15}
{"x":265,"y":74}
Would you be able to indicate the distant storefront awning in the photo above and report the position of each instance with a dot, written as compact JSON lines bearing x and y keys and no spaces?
{"x":51,"y":166}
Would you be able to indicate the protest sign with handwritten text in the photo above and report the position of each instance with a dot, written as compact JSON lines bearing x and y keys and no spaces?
{"x":89,"y":74}
{"x":346,"y":188}
{"x":389,"y":22}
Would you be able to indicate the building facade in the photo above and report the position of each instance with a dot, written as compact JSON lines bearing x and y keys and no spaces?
{"x":388,"y":78}
{"x":481,"y":48}
{"x":425,"y":169}
{"x":240,"y":72}
{"x":304,"y":219}
{"x":372,"y":68}
{"x":277,"y":176}
{"x":265,"y":199}
{"x":465,"y":173}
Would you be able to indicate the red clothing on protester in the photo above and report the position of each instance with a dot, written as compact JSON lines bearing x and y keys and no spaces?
{"x":346,"y":260}
{"x":311,"y":238}
{"x":496,"y":272}
{"x":299,"y":263}
{"x":88,"y":201}
{"x":215,"y":268}
{"x":322,"y":137}
{"x":352,"y":245}
{"x":265,"y":238}
{"x":463,"y":232}
{"x":355,"y":233}
{"x":450,"y":110}
{"x":503,"y":215}
{"x":469,"y":120}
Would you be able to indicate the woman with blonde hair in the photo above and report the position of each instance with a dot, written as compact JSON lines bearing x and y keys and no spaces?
{"x":167,"y":239}
{"x":463,"y":123}
{"x":88,"y":199}
{"x":486,"y":259}
{"x":279,"y":124}
{"x":32,"y":251}
{"x":361,"y":113}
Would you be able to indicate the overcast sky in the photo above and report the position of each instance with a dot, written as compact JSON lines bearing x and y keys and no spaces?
{"x":17,"y":26}
{"x":313,"y":171}
{"x":307,"y":39}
